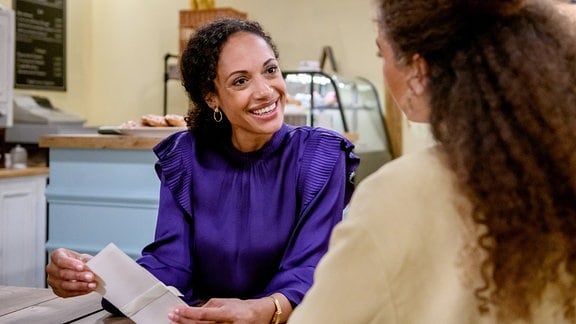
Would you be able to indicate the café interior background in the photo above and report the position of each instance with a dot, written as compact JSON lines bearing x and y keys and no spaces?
{"x":115,"y":52}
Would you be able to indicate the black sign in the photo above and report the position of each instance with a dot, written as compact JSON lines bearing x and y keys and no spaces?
{"x":40,"y":58}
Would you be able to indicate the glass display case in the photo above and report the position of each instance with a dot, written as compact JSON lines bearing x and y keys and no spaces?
{"x":350,"y":106}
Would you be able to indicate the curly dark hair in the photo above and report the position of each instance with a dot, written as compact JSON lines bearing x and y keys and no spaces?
{"x":502,"y":78}
{"x":198,"y":64}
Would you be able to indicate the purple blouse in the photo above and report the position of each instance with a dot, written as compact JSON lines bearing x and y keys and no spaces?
{"x":246,"y":225}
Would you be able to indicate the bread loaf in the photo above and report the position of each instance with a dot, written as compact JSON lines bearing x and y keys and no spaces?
{"x":154,"y":120}
{"x":175,"y":120}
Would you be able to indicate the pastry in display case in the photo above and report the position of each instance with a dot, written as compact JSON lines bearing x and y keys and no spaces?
{"x":350,"y":106}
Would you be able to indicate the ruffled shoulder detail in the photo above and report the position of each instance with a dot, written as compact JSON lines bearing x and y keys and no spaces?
{"x":323,"y":149}
{"x":173,"y":153}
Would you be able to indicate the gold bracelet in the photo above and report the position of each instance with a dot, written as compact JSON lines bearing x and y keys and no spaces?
{"x":278,"y":312}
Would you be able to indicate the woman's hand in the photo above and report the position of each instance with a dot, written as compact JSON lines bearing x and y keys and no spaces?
{"x":68,"y":274}
{"x":226,"y":310}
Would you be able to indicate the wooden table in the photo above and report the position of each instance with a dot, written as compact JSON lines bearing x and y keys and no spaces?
{"x":38,"y":305}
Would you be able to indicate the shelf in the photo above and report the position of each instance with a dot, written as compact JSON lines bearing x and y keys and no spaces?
{"x":190,"y":20}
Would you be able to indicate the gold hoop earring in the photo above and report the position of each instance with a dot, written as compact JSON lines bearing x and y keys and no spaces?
{"x":410,"y":104}
{"x":217,"y":115}
{"x":406,"y":102}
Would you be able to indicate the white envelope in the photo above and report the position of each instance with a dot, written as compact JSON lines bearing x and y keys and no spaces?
{"x":131,"y":288}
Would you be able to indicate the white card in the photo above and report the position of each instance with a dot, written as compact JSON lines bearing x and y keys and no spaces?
{"x":131,"y":288}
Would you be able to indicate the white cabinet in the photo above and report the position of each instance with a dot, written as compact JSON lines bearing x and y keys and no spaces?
{"x":23,"y":230}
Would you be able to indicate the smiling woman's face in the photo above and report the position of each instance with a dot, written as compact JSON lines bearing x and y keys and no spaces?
{"x":250,"y":90}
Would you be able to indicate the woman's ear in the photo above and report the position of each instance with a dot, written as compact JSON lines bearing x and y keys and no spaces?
{"x":418,"y":78}
{"x":418,"y":99}
{"x":211,"y":100}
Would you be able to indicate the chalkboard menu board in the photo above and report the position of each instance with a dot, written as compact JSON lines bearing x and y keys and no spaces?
{"x":40,"y":55}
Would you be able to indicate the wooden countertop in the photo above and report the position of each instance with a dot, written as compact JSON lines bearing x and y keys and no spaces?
{"x":41,"y":305}
{"x":98,"y":141}
{"x":28,"y":172}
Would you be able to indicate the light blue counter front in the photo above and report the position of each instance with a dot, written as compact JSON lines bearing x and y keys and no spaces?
{"x":100,"y":195}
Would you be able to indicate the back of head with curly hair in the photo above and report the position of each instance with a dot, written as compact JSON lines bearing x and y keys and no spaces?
{"x":198,"y":65}
{"x":503,"y":96}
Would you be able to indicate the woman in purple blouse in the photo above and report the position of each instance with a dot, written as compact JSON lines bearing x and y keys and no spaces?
{"x":247,"y":203}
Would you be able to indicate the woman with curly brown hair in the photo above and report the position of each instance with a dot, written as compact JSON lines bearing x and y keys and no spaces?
{"x":482,"y":226}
